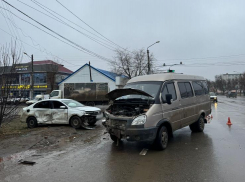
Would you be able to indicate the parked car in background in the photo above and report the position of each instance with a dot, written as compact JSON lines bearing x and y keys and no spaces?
{"x":213,"y":97}
{"x":37,"y":98}
{"x":232,"y":93}
{"x":60,"y":111}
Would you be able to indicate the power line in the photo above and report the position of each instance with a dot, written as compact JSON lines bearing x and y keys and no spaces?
{"x":50,"y":12}
{"x":12,"y":22}
{"x":37,"y":48}
{"x":89,"y":25}
{"x":86,"y":50}
{"x":205,"y":58}
{"x":64,"y":23}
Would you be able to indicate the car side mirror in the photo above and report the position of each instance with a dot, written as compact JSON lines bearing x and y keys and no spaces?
{"x":62,"y":107}
{"x":169,"y":98}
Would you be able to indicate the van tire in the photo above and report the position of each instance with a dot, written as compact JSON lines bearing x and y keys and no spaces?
{"x":161,"y":141}
{"x":198,"y":126}
{"x":75,"y":122}
{"x":31,"y":122}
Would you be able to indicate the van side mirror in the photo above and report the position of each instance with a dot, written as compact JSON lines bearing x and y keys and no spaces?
{"x":62,"y":107}
{"x":169,"y":98}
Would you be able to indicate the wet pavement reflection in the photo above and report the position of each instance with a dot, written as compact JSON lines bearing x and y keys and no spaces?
{"x":217,"y":154}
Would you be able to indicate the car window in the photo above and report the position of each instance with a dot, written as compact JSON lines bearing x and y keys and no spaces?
{"x":44,"y":104}
{"x":205,"y":87}
{"x":198,"y":88}
{"x":169,"y":88}
{"x":57,"y":104}
{"x":54,"y":93}
{"x":188,"y":89}
{"x":183,"y":91}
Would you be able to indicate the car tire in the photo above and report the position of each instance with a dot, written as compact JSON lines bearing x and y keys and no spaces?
{"x":114,"y":138}
{"x":198,"y":126}
{"x":75,"y":122}
{"x":32,"y":122}
{"x":161,"y":141}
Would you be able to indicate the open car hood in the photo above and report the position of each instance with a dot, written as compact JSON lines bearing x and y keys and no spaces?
{"x":122,"y":92}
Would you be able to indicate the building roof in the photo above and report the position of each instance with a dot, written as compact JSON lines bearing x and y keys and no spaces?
{"x":108,"y":74}
{"x":61,"y":67}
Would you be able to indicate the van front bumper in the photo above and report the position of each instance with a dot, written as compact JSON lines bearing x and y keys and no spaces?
{"x":144,"y":134}
{"x":136,"y":134}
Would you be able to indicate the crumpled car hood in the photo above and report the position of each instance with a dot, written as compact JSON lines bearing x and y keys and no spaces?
{"x":122,"y":92}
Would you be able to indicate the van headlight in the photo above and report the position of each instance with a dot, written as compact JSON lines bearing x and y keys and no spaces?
{"x":139,"y":120}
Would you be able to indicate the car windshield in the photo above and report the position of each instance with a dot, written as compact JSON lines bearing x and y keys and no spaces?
{"x":151,"y":88}
{"x":73,"y":103}
{"x":211,"y":93}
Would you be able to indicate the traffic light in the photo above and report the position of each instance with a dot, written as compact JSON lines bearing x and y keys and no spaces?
{"x":171,"y":71}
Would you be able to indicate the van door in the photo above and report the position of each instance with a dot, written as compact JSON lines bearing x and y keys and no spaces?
{"x":171,"y":112}
{"x":188,"y":103}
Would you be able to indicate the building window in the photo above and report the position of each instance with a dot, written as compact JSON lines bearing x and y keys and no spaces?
{"x":40,"y":78}
{"x":25,"y":79}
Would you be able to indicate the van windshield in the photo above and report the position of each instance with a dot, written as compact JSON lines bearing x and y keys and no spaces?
{"x":151,"y":88}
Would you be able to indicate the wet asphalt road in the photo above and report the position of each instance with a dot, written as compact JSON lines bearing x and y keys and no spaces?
{"x":217,"y":154}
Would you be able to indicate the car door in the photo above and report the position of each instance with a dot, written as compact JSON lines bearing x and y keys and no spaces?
{"x":42,"y":112}
{"x":187,"y":102}
{"x":59,"y":115}
{"x":171,"y":112}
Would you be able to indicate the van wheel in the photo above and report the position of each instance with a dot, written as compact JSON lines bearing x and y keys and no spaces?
{"x":161,"y":141}
{"x":31,"y":122}
{"x":75,"y":122}
{"x":114,"y":138}
{"x":198,"y":126}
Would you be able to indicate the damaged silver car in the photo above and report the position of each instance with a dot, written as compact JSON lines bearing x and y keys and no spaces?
{"x":151,"y":107}
{"x":60,"y":111}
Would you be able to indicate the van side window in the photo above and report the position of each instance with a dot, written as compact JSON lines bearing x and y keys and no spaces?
{"x":169,"y":88}
{"x":198,"y":88}
{"x":205,"y":86}
{"x":185,"y":89}
{"x":188,"y":89}
{"x":182,"y":89}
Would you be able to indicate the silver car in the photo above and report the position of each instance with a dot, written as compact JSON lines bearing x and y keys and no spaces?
{"x":60,"y":111}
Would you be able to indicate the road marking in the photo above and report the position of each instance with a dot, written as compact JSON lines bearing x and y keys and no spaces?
{"x":143,"y":151}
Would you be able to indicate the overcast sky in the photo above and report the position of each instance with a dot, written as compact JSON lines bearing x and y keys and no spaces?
{"x":208,"y":36}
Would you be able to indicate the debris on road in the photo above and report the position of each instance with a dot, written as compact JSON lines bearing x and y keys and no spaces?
{"x":26,"y":162}
{"x":143,"y":151}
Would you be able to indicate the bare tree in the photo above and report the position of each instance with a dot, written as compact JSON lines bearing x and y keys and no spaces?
{"x":221,"y":84}
{"x":242,"y":83}
{"x":10,"y":58}
{"x":53,"y":75}
{"x":131,"y":64}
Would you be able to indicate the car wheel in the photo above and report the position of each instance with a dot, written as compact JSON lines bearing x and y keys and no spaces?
{"x":75,"y":122}
{"x":32,"y":122}
{"x":198,"y":126}
{"x":161,"y":141}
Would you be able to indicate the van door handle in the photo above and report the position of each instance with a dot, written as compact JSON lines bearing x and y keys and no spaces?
{"x":175,"y":108}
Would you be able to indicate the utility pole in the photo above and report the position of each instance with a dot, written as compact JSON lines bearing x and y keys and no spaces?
{"x":32,"y":79}
{"x":148,"y":57}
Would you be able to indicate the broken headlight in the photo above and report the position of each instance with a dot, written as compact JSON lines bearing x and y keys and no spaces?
{"x":139,"y":120}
